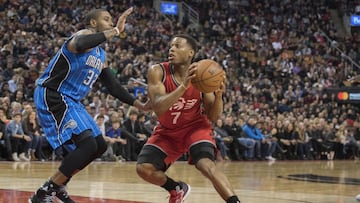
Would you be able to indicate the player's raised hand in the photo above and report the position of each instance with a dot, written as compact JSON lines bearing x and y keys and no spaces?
{"x":122,"y":19}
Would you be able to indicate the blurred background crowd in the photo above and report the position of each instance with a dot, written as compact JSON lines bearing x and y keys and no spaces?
{"x":282,"y":59}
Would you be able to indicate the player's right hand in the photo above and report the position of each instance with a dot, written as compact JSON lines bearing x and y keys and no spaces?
{"x":191,"y":73}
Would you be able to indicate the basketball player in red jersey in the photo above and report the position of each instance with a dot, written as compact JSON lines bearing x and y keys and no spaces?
{"x":183,"y":113}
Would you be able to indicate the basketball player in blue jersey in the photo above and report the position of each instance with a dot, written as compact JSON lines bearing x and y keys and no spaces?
{"x":69,"y":78}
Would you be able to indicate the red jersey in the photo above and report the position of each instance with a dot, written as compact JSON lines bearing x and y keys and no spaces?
{"x":187,"y":110}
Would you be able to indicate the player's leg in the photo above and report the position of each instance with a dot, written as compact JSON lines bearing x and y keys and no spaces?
{"x":87,"y":149}
{"x":151,"y":166}
{"x":101,"y":147}
{"x":203,"y":156}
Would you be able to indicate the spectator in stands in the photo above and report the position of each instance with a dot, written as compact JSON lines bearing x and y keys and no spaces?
{"x":132,"y":125}
{"x":287,"y":140}
{"x":116,"y":142}
{"x":3,"y":149}
{"x":316,"y":136}
{"x":252,"y":131}
{"x":143,"y":133}
{"x":31,"y":128}
{"x":241,"y":147}
{"x":19,"y":141}
{"x":151,"y":123}
{"x":16,"y":107}
{"x":27,"y":110}
{"x":102,"y":111}
{"x":329,"y":141}
{"x":4,"y":121}
{"x":100,"y":122}
{"x":222,"y":139}
{"x":5,"y":91}
{"x":351,"y":149}
{"x":271,"y":143}
{"x":303,"y":142}
{"x":96,"y":102}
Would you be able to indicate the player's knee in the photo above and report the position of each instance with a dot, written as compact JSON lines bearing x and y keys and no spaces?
{"x":201,"y":151}
{"x":145,"y":170}
{"x":90,"y":146}
{"x":206,"y":167}
{"x":151,"y":158}
{"x":86,"y":141}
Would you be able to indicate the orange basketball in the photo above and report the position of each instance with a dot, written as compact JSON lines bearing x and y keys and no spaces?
{"x":209,"y":76}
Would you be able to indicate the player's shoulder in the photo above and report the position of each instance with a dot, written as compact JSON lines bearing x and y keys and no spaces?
{"x":155,"y":67}
{"x":156,"y":71}
{"x":160,"y":66}
{"x":80,"y":32}
{"x":83,"y":32}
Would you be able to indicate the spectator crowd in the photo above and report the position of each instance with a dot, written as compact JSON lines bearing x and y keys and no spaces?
{"x":279,"y":63}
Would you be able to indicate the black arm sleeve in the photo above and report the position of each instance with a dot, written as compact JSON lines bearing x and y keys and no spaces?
{"x":115,"y":88}
{"x":83,"y":42}
{"x":128,"y":134}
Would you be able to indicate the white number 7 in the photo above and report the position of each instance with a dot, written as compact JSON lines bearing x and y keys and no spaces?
{"x":176,"y":116}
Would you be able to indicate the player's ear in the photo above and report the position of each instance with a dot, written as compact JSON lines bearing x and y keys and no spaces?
{"x":93,"y":23}
{"x":191,"y":53}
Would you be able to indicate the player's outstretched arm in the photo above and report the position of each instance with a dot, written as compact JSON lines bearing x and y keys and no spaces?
{"x":87,"y":39}
{"x":117,"y":90}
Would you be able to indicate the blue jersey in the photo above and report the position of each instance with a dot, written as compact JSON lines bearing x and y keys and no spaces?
{"x":73,"y":74}
{"x":68,"y":78}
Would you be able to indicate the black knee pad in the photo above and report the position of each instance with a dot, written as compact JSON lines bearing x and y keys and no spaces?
{"x":202,"y":150}
{"x":86,"y":148}
{"x":154,"y":156}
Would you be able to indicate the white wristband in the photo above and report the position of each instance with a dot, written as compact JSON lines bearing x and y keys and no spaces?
{"x":117,"y":31}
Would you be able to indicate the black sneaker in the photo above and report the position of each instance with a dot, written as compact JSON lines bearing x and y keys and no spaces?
{"x":63,"y":195}
{"x":45,"y":194}
{"x":48,"y":192}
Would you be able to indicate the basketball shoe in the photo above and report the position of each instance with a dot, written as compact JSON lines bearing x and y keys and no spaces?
{"x":62,"y":195}
{"x":180,"y":193}
{"x":48,"y":192}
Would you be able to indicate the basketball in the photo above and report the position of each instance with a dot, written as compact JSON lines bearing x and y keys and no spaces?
{"x":209,"y":76}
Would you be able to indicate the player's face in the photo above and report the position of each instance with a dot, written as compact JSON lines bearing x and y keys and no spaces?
{"x":104,"y":21}
{"x":180,"y":51}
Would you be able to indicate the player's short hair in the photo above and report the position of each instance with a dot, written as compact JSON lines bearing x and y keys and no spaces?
{"x":93,"y":14}
{"x":190,"y":40}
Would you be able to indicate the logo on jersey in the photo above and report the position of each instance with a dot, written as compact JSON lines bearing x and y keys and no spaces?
{"x":183,"y":104}
{"x":94,"y":62}
{"x":70,"y":124}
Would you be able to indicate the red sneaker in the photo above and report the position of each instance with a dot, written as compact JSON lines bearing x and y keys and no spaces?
{"x":180,"y":193}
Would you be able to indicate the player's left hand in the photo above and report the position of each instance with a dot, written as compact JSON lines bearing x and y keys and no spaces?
{"x":122,"y":19}
{"x":147,"y":106}
{"x":222,"y":87}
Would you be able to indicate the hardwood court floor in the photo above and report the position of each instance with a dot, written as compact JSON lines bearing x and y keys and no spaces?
{"x":254,"y":182}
